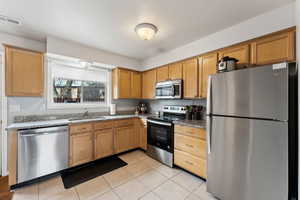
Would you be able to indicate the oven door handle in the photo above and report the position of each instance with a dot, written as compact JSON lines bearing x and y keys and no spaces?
{"x":159,"y":123}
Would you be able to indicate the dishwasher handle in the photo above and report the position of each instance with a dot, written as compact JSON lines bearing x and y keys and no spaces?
{"x":43,"y":131}
{"x":39,"y":134}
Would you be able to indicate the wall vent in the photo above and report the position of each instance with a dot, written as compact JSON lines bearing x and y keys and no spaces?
{"x":5,"y":19}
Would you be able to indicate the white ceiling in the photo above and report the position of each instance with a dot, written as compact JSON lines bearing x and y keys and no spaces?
{"x":109,"y":24}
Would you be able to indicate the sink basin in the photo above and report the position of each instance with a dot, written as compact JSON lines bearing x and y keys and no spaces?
{"x":86,"y":118}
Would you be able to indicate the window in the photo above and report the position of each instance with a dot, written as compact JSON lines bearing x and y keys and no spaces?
{"x":76,"y":86}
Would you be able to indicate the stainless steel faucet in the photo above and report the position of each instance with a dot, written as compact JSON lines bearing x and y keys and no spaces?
{"x":85,"y":114}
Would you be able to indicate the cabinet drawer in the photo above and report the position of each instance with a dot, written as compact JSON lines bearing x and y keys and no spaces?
{"x":124,"y":122}
{"x":190,"y":163}
{"x":103,"y":125}
{"x":191,"y":145}
{"x":80,"y":128}
{"x":190,"y":131}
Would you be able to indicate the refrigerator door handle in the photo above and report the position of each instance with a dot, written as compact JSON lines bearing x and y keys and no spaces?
{"x":208,"y":134}
{"x":209,"y":97}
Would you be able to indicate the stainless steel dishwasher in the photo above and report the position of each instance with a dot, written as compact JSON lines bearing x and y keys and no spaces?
{"x":42,"y":151}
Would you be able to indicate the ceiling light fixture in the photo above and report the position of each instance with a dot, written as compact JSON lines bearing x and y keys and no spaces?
{"x":146,"y":31}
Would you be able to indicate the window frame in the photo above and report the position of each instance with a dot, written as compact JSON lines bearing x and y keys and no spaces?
{"x":52,"y":105}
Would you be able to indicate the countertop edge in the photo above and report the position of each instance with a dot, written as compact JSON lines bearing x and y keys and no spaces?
{"x":41,"y":124}
{"x":191,"y":123}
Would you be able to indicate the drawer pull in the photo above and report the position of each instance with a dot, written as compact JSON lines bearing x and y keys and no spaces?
{"x":189,"y":145}
{"x":188,"y":162}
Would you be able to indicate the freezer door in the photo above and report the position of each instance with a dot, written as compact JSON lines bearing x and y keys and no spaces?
{"x":248,"y":159}
{"x":259,"y":92}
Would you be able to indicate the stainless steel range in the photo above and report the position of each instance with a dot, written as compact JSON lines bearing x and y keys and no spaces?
{"x":160,"y":134}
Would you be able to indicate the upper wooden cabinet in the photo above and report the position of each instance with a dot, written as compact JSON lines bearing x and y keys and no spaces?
{"x":24,"y":72}
{"x":272,"y":49}
{"x":207,"y":66}
{"x":149,"y":81}
{"x":136,"y":85}
{"x":175,"y":71}
{"x":190,"y":78}
{"x":240,"y":52}
{"x":162,"y":73}
{"x":126,"y":84}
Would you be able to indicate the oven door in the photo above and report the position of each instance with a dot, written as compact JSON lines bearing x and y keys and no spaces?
{"x":160,"y":134}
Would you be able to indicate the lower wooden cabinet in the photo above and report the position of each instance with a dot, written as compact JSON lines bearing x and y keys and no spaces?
{"x":81,"y":148}
{"x":91,"y":141}
{"x":143,"y":138}
{"x":191,"y":163}
{"x":190,"y":149}
{"x":123,"y":139}
{"x":194,"y":146}
{"x":104,"y":143}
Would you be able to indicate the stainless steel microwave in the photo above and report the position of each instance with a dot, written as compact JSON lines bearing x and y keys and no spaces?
{"x":169,"y":89}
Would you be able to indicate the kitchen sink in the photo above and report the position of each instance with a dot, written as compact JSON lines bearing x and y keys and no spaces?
{"x":87,"y":118}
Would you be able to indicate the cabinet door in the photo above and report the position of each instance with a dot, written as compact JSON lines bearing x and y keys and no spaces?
{"x":149,"y":81}
{"x":175,"y":71}
{"x":190,"y":78}
{"x":191,"y":163}
{"x":81,"y":148}
{"x":24,"y":72}
{"x":272,"y":49}
{"x":240,"y":52}
{"x":162,"y":73}
{"x":143,"y":137}
{"x":124,"y":83}
{"x":136,"y":85}
{"x":135,"y":138}
{"x":104,"y":143}
{"x":207,"y":66}
{"x":122,"y":139}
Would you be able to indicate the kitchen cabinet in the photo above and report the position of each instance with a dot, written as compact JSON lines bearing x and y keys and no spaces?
{"x":104,"y":143}
{"x":190,"y":78}
{"x":121,"y":83}
{"x":239,"y":52}
{"x":24,"y":72}
{"x":274,"y":48}
{"x":190,"y":163}
{"x":175,"y":71}
{"x":149,"y":81}
{"x":162,"y":73}
{"x":123,"y":139}
{"x":136,"y":85}
{"x":142,"y":128}
{"x":207,"y":66}
{"x":194,"y":146}
{"x":190,"y":149}
{"x":81,"y":148}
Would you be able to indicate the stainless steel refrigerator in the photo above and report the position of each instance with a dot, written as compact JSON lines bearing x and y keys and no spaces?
{"x":252,"y":133}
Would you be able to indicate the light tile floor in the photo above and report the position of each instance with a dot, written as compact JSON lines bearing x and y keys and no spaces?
{"x":143,"y":178}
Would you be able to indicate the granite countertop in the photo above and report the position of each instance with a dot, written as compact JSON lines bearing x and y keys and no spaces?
{"x":59,"y":122}
{"x":192,"y":123}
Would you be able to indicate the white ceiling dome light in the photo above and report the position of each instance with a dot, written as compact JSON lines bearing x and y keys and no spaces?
{"x":146,"y":31}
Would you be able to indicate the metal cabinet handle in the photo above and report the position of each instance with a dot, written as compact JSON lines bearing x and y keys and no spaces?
{"x":189,"y":145}
{"x":190,"y":163}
